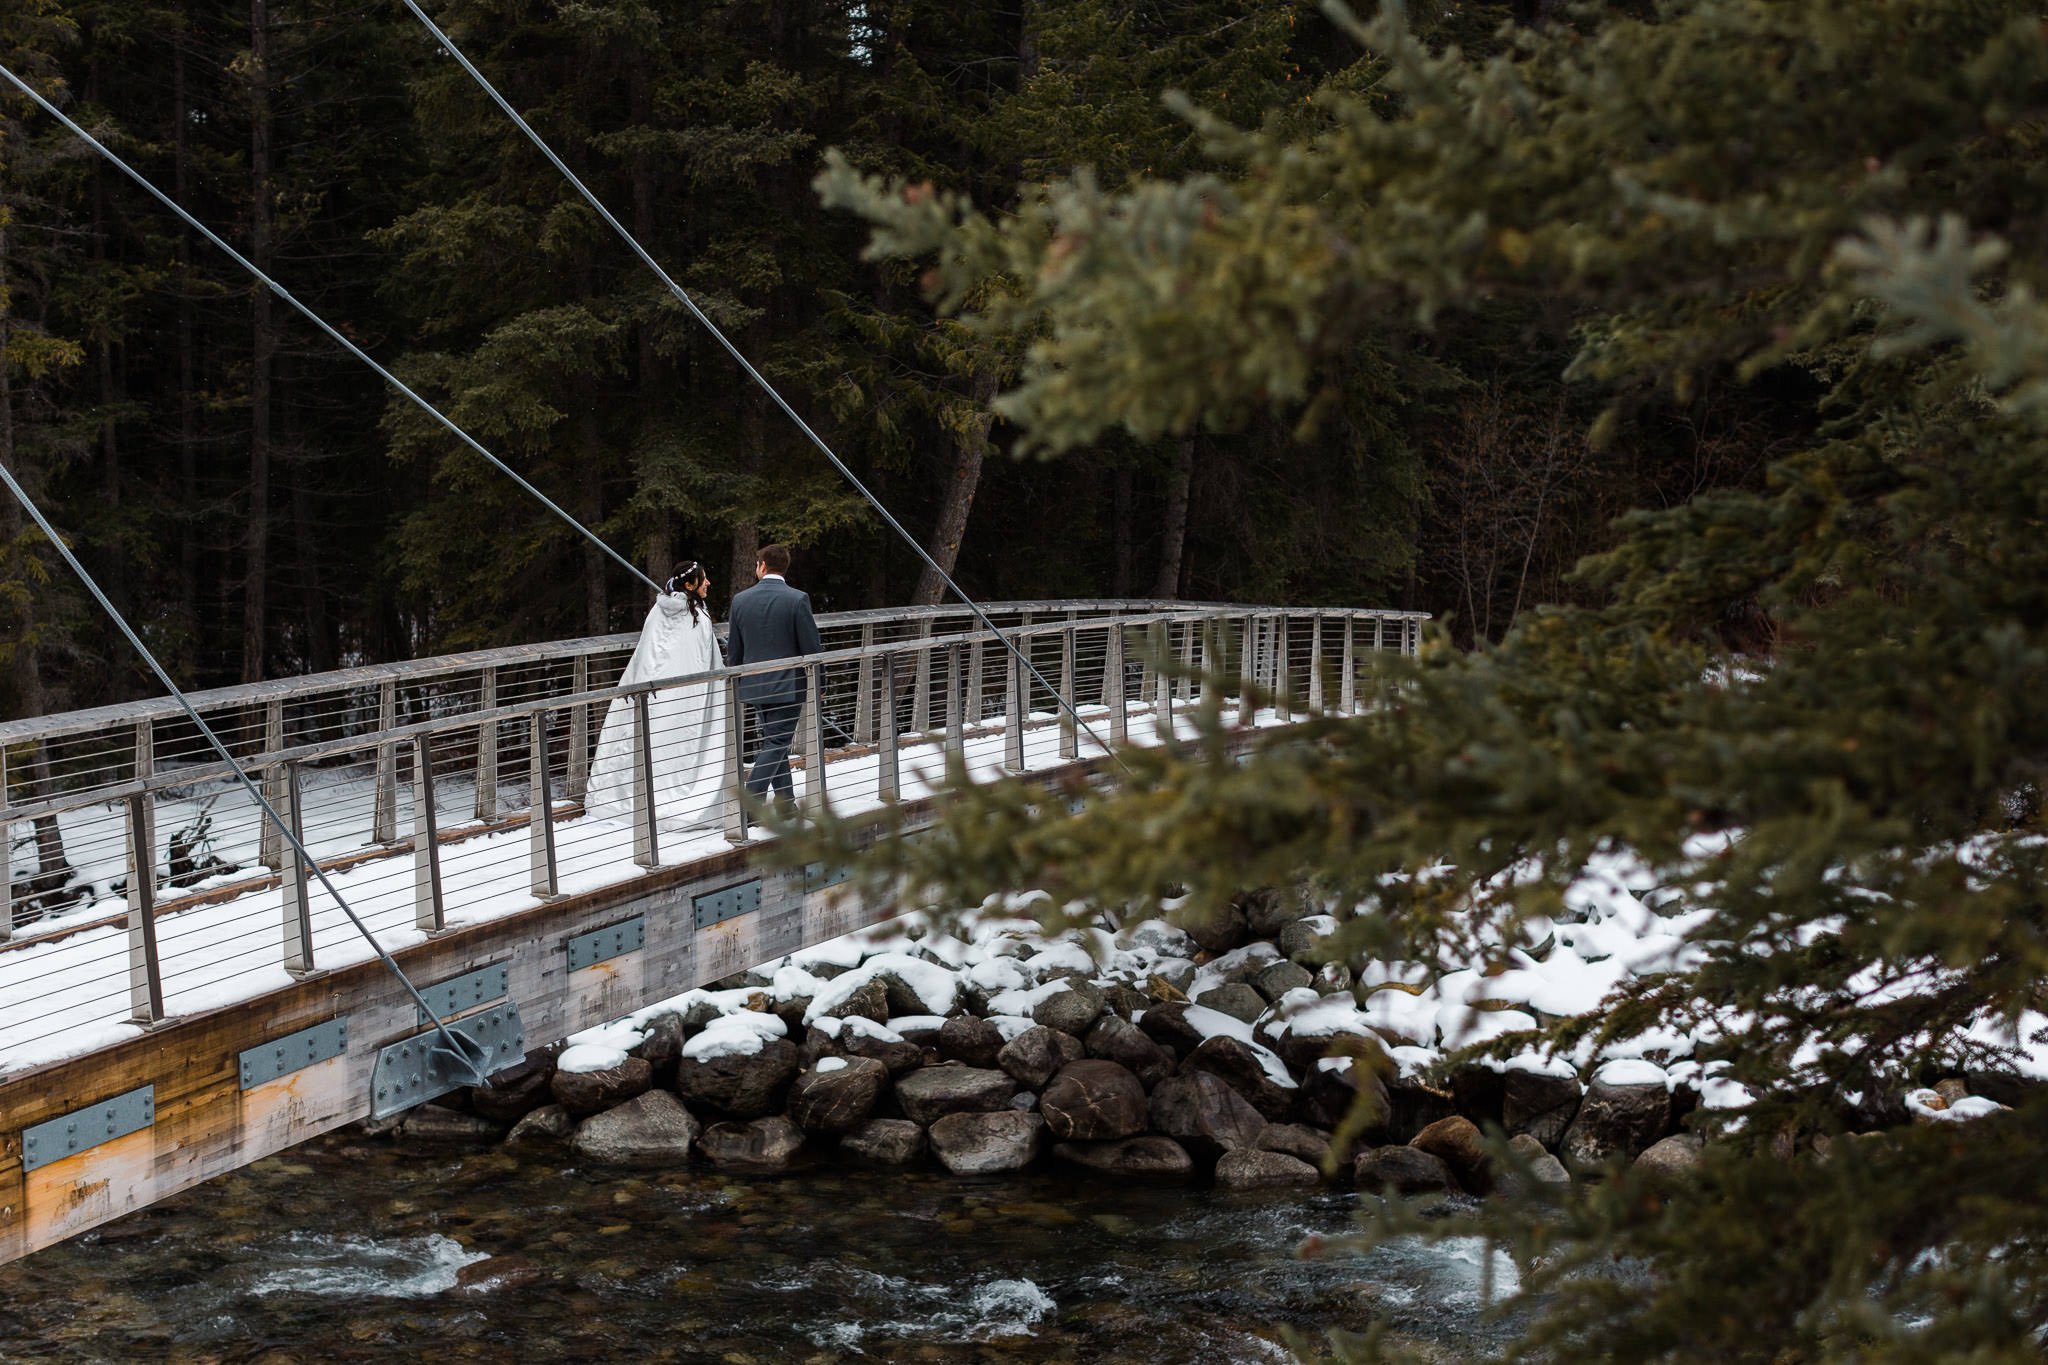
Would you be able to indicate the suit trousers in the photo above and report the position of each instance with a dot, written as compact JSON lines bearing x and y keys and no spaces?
{"x":775,"y":724}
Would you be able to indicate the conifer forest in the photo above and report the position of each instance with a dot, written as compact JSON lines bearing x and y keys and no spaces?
{"x":1686,"y":360}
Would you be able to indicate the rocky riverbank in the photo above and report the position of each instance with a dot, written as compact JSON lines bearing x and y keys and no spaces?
{"x":1227,"y":1051}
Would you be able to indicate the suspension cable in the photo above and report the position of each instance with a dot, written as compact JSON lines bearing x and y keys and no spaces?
{"x":146,"y":858}
{"x":393,"y":380}
{"x":752,"y":373}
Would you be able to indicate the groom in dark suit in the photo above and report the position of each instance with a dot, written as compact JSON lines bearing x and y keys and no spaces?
{"x":772,"y":620}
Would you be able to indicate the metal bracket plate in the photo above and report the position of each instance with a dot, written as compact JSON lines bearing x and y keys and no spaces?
{"x":601,"y":945}
{"x":294,"y":1052}
{"x":716,"y":907}
{"x":818,"y":876}
{"x":82,"y":1129}
{"x":419,"y":1068}
{"x":465,"y":992}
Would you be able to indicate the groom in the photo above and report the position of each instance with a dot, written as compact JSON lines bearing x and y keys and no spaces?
{"x":772,"y":620}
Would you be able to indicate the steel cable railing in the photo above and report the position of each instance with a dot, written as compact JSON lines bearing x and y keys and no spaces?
{"x":449,"y":790}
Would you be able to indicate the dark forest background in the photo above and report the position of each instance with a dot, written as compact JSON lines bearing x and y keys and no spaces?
{"x":261,"y":505}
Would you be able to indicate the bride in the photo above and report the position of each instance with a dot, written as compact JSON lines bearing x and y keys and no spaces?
{"x":685,"y":725}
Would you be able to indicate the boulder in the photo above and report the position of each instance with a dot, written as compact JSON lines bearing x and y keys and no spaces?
{"x":898,"y":1055}
{"x":1457,"y":1142}
{"x":1168,"y":1026}
{"x":547,"y":1124}
{"x":902,"y":996}
{"x":930,"y":1093}
{"x":1297,"y":1140}
{"x":1402,"y":1170}
{"x":1327,"y":1094}
{"x":1269,"y":910}
{"x":589,"y":1092}
{"x":1093,"y":1101}
{"x":1170,"y":981}
{"x":1479,"y":1093}
{"x":652,"y":1129}
{"x":741,"y":1085}
{"x":1540,"y":1105}
{"x":1120,"y":1041}
{"x":974,"y":1042}
{"x":984,"y":1144}
{"x":517,"y":1090}
{"x":1301,"y":944}
{"x":1616,"y":1121}
{"x":1124,"y":1001}
{"x":1071,"y":1011}
{"x":663,"y":1043}
{"x":1413,"y":1104}
{"x":1242,"y":1068}
{"x":921,"y":1032}
{"x":1199,"y":1110}
{"x":1141,"y":1158}
{"x":1672,"y":1158}
{"x":1034,"y":1055}
{"x":1332,"y":978}
{"x":1275,"y":979}
{"x":764,"y":1146}
{"x":1544,"y":1169}
{"x":837,"y":1095}
{"x":700,"y":1012}
{"x":885,"y":1142}
{"x":1235,"y":999}
{"x":1251,"y":1169}
{"x":1217,"y":931}
{"x":870,"y":1000}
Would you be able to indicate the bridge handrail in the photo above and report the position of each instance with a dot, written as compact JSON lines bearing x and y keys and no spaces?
{"x":242,"y":695}
{"x":190,"y":773}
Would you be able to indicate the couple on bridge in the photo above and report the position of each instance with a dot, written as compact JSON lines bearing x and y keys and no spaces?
{"x":686,"y":724}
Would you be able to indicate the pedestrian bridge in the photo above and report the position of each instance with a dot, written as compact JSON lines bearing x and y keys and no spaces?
{"x":180,"y":995}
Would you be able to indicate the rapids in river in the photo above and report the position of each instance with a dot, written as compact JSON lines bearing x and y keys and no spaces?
{"x":357,"y":1249}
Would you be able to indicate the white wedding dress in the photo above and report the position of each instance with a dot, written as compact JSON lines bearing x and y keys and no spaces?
{"x":685,"y":725}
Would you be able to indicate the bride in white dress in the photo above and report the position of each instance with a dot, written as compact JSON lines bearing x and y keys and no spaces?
{"x":685,"y":725}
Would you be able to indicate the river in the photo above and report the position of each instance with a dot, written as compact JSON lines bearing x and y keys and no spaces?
{"x":358,"y":1249}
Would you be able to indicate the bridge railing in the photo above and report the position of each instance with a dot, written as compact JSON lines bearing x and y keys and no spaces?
{"x":459,"y":788}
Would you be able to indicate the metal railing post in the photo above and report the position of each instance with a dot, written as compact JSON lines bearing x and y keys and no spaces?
{"x":1161,"y":648}
{"x":428,"y":913}
{"x":921,"y":697}
{"x":956,"y":703}
{"x":1070,"y":734}
{"x":487,"y":750}
{"x":1347,"y":678}
{"x":971,"y":683}
{"x":735,"y":764}
{"x":269,"y":842}
{"x":815,"y":798}
{"x":1414,"y":634}
{"x":540,"y":821}
{"x":1248,"y":671}
{"x":1283,"y":700}
{"x":1113,"y":684}
{"x":297,"y":906}
{"x":576,"y":780}
{"x":1315,"y":665}
{"x":1185,"y":684}
{"x":888,"y":776}
{"x":384,"y":805}
{"x":864,"y":690}
{"x":145,"y":971}
{"x":1014,"y":705}
{"x":646,"y":842}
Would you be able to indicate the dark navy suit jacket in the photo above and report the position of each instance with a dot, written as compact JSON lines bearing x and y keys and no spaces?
{"x":771,"y":620}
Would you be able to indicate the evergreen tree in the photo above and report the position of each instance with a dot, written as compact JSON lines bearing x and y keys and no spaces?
{"x":1838,"y":211}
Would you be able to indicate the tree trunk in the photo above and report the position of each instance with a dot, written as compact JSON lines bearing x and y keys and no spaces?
{"x":658,"y":546}
{"x":188,"y":407}
{"x":263,"y":350}
{"x":596,"y":564}
{"x":115,"y":570}
{"x":968,"y":456}
{"x":1174,"y":535}
{"x":322,"y":647}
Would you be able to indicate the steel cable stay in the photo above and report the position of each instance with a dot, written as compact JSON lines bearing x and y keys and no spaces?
{"x":683,"y":297}
{"x":393,"y":380}
{"x":462,"y":1051}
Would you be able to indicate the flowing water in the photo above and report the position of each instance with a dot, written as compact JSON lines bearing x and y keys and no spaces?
{"x":353,"y":1249}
